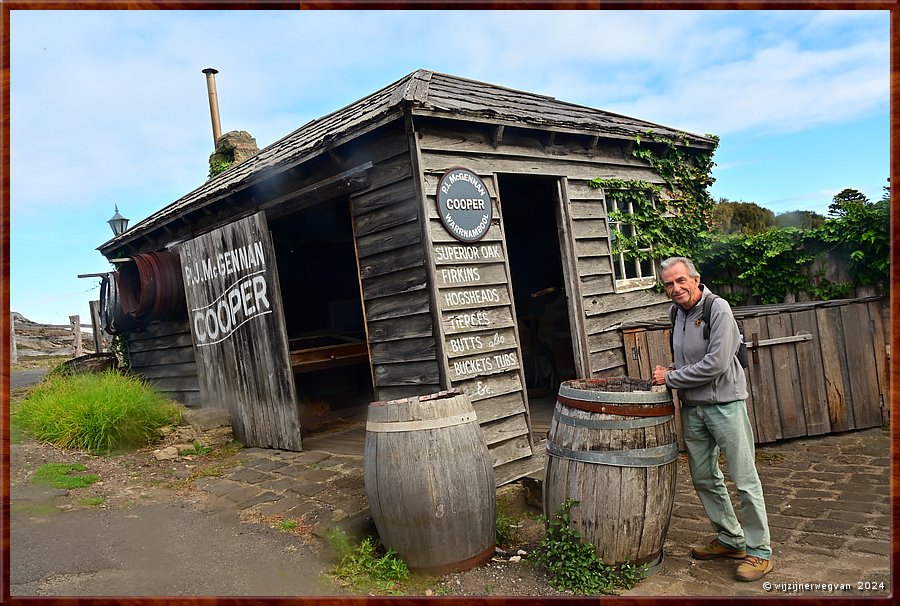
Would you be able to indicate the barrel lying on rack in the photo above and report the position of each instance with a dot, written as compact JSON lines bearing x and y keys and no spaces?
{"x":151,"y":287}
{"x":430,"y":481}
{"x":612,"y":447}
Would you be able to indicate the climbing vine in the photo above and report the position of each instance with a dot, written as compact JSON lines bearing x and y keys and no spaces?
{"x":674,"y":219}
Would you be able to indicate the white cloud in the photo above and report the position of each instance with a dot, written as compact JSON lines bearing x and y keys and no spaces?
{"x":779,"y":89}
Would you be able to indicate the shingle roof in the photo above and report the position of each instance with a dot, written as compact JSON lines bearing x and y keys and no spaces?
{"x":427,"y":93}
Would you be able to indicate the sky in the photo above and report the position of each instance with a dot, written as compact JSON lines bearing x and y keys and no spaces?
{"x":110,"y":108}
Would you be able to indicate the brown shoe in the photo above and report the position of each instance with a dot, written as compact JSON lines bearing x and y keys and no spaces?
{"x":753,"y":569}
{"x":715,"y":549}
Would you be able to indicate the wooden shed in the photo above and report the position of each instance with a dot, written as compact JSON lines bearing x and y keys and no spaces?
{"x":320,"y":273}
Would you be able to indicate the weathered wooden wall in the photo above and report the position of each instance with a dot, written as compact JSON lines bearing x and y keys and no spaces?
{"x":239,"y":337}
{"x":823,"y":370}
{"x":476,"y":333}
{"x":498,"y":392}
{"x":392,"y":272}
{"x":163,"y":353}
{"x":604,"y":309}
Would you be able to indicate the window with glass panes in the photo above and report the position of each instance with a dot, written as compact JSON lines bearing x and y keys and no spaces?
{"x":630,"y":272}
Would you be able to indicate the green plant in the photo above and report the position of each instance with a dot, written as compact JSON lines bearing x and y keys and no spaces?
{"x":367,"y":566}
{"x":674,"y":220}
{"x":574,"y":566}
{"x":98,"y":413}
{"x":59,"y":475}
{"x":287,"y":525}
{"x":92,"y":501}
{"x":119,"y":346}
{"x":506,"y":527}
{"x":198,"y":450}
{"x":768,"y":263}
{"x":862,"y":229}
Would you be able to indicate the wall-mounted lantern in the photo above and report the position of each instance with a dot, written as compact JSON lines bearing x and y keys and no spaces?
{"x":118,"y":223}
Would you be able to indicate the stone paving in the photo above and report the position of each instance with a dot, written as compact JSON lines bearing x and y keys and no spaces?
{"x":828,"y":500}
{"x":322,"y":489}
{"x":829,"y":507}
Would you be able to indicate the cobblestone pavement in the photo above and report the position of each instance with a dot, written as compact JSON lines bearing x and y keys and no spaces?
{"x":829,"y":507}
{"x":324,"y":490}
{"x":828,"y":500}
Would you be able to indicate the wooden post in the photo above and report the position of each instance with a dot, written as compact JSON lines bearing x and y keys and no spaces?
{"x":13,"y":351}
{"x":96,"y":325}
{"x":75,"y":323}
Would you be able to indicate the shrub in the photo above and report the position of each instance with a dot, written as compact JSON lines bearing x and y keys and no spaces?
{"x":574,"y":566}
{"x":98,"y":413}
{"x":368,"y":566}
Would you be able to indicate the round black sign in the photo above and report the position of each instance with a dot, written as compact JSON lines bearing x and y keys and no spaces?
{"x":464,"y":205}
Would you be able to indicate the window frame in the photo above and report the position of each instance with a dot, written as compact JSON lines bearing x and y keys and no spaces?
{"x":618,"y":260}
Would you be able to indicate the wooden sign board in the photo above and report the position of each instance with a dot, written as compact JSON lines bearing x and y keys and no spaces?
{"x":237,"y":326}
{"x":477,"y":324}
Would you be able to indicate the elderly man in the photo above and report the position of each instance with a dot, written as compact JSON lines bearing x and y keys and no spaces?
{"x":712,"y":388}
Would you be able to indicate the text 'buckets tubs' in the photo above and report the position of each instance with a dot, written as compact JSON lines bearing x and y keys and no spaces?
{"x":430,"y":482}
{"x":612,"y":447}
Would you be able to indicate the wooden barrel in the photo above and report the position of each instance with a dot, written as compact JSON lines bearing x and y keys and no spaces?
{"x":430,"y":481}
{"x":612,"y":447}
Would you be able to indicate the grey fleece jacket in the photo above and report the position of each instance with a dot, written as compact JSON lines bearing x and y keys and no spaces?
{"x":706,"y":372}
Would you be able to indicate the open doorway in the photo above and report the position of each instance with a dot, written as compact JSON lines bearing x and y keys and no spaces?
{"x":323,"y":313}
{"x":530,"y":218}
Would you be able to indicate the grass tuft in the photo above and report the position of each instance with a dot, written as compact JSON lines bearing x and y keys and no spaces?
{"x":92,"y":501}
{"x":99,"y":413}
{"x":59,"y":475}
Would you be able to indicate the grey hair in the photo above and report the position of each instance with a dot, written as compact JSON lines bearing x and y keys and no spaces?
{"x":692,"y":271}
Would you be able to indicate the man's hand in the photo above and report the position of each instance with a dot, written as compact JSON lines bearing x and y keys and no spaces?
{"x":659,"y":375}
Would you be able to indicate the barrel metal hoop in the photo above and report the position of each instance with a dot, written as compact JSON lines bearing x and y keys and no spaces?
{"x":475,"y":560}
{"x":615,"y":409}
{"x":611,"y":424}
{"x":637,"y":457}
{"x":377,"y":427}
{"x":623,"y":397}
{"x":656,"y":566}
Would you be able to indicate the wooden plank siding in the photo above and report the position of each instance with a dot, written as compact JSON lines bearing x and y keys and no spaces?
{"x":162,"y":353}
{"x":434,"y":317}
{"x":583,"y":230}
{"x":473,"y":297}
{"x":393,"y":279}
{"x":835,"y":381}
{"x":604,"y":310}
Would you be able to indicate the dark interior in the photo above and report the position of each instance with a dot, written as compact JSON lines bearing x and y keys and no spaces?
{"x":529,"y":206}
{"x":319,"y":281}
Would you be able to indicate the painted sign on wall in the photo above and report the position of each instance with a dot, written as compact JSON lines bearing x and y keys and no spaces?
{"x":240,"y":276}
{"x":237,"y":326}
{"x":464,"y":205}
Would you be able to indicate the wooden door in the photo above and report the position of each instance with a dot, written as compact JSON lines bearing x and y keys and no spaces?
{"x":238,"y":330}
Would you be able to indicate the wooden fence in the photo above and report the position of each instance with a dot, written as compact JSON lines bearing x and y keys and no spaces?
{"x":815,"y":368}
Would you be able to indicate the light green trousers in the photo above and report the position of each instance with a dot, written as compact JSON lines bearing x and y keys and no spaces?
{"x":707,"y":429}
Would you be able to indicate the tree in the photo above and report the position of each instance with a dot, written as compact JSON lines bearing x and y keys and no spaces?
{"x":741,"y":217}
{"x":802,"y":219}
{"x":862,"y":228}
{"x":846,"y":201}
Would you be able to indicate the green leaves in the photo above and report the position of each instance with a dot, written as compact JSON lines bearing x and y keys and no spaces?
{"x":777,"y":261}
{"x":367,"y":566}
{"x":59,"y":475}
{"x":673,"y":220}
{"x":574,"y":565}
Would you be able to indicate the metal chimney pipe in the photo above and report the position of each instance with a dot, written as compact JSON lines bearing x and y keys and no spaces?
{"x":213,"y":103}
